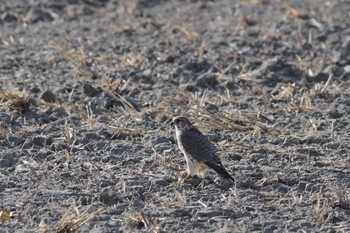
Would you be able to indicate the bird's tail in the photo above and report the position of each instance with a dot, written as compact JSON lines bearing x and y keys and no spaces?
{"x":221,"y":171}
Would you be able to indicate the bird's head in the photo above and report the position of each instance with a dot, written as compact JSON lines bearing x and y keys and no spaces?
{"x":181,"y":123}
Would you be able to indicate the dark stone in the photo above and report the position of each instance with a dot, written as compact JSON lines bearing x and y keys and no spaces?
{"x":91,"y":91}
{"x":107,"y":101}
{"x":58,"y":146}
{"x":191,"y":88}
{"x":8,"y":17}
{"x":248,"y":184}
{"x":42,"y":140}
{"x":109,"y":135}
{"x":334,"y":114}
{"x":161,"y":140}
{"x":5,"y":118}
{"x":236,"y":157}
{"x":161,"y":182}
{"x":255,"y":157}
{"x":49,"y":97}
{"x":212,"y":108}
{"x":107,"y":198}
{"x":58,"y":113}
{"x":15,"y":140}
{"x":8,"y":160}
{"x":207,"y":80}
{"x":42,"y":154}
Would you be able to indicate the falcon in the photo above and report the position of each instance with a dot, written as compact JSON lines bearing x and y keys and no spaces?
{"x":200,"y":154}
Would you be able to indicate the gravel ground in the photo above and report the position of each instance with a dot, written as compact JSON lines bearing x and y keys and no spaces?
{"x":88,"y":89}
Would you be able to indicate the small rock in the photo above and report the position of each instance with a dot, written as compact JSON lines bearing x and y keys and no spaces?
{"x":58,"y":113}
{"x":109,"y":135}
{"x":194,"y":182}
{"x":170,"y":59}
{"x":5,"y":119}
{"x":85,"y":200}
{"x":107,"y":101}
{"x":161,"y":182}
{"x":226,"y":184}
{"x":107,"y":198}
{"x":58,"y":146}
{"x":91,"y":91}
{"x":248,"y":184}
{"x":42,"y":154}
{"x":90,"y":136}
{"x":191,"y":88}
{"x":255,"y":157}
{"x":236,"y":157}
{"x":282,"y":188}
{"x":49,"y":97}
{"x":20,"y":168}
{"x":181,"y":213}
{"x":101,"y":218}
{"x":334,"y":114}
{"x":15,"y":140}
{"x":147,"y":73}
{"x":106,"y":182}
{"x":212,"y":108}
{"x":347,"y":69}
{"x":209,"y":213}
{"x":206,"y":80}
{"x":332,"y":146}
{"x":8,"y":160}
{"x":42,"y":141}
{"x":318,"y":164}
{"x":35,"y":89}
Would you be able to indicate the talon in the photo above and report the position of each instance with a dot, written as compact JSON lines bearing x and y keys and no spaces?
{"x":182,"y":176}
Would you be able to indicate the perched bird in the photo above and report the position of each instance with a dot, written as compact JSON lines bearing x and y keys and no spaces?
{"x":199,"y":152}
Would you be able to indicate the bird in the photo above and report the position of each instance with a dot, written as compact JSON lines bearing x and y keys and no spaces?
{"x":200,"y":154}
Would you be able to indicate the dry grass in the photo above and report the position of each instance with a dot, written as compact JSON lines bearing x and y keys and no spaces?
{"x":343,"y":196}
{"x":295,"y":13}
{"x":323,"y":211}
{"x":189,"y":35}
{"x":73,"y":56}
{"x":137,"y":60}
{"x":14,"y":100}
{"x":72,"y":220}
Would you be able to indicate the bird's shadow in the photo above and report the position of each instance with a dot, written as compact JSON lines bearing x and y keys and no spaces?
{"x":201,"y":183}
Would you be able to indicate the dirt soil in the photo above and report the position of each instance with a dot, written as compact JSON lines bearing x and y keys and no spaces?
{"x":88,"y":89}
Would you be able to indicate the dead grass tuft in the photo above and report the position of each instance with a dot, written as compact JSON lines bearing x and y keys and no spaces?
{"x":239,"y":121}
{"x":15,"y":100}
{"x":295,"y":13}
{"x":137,"y":60}
{"x":129,"y":131}
{"x":343,"y":196}
{"x":71,"y":221}
{"x":76,"y":56}
{"x":322,"y":211}
{"x":140,"y":220}
{"x":189,"y":35}
{"x":306,"y":104}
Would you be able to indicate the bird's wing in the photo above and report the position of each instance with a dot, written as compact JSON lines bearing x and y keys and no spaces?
{"x":199,"y":147}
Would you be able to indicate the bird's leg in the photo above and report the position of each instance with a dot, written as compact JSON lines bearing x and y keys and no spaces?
{"x":184,"y":175}
{"x":201,"y":171}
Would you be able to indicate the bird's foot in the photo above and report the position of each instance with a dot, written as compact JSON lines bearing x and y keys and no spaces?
{"x":184,"y":175}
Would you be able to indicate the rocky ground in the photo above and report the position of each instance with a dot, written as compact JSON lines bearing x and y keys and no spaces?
{"x":87,"y":90}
